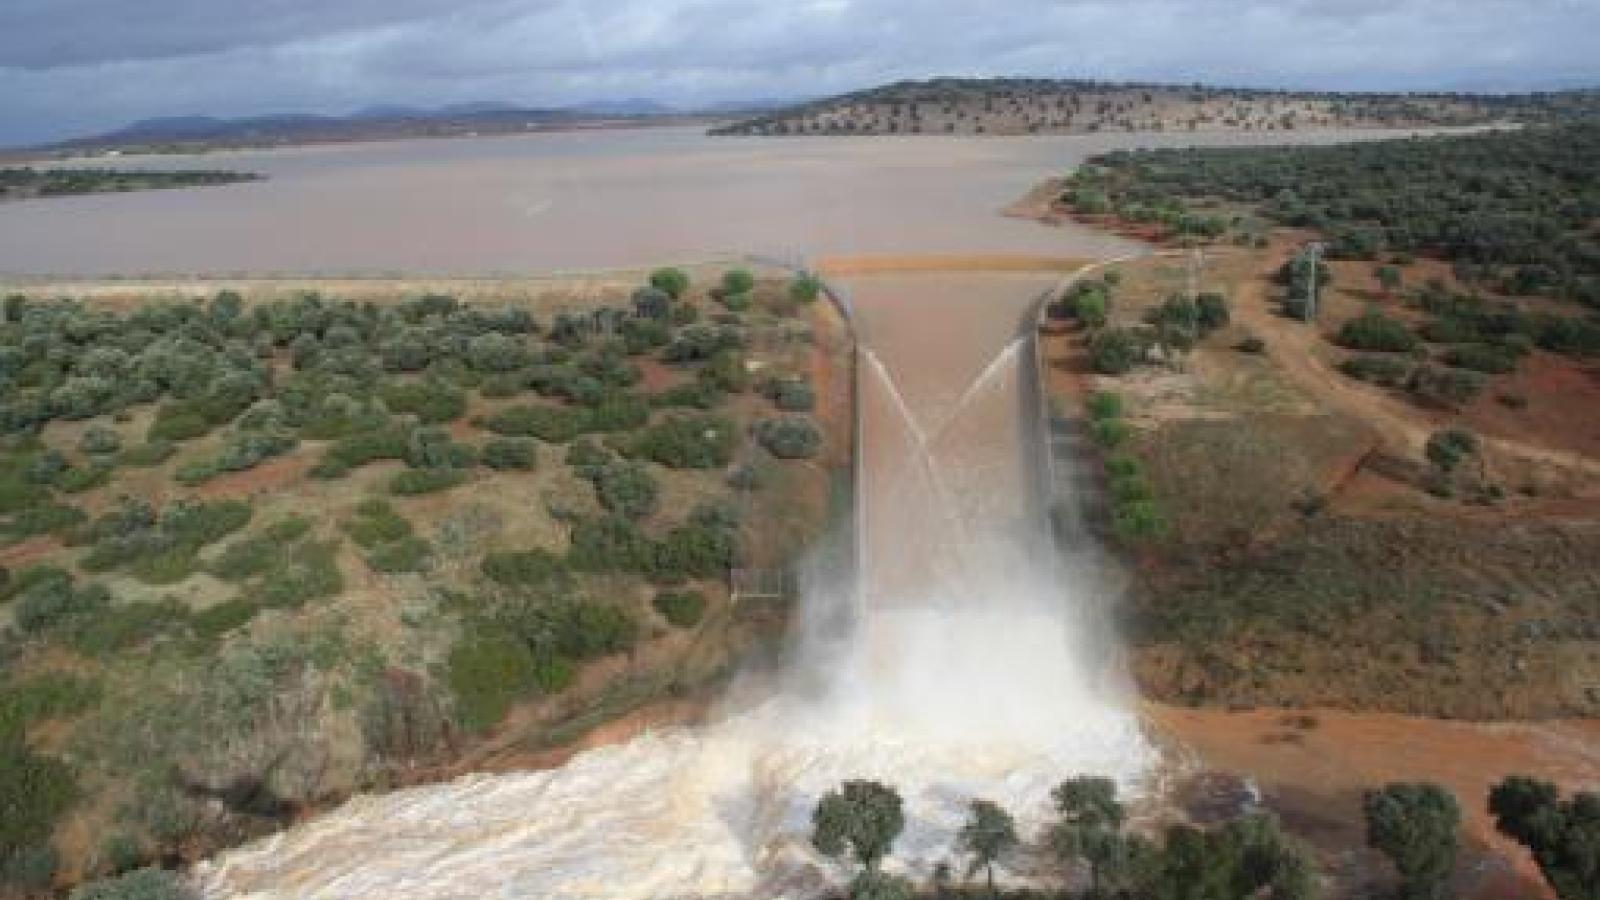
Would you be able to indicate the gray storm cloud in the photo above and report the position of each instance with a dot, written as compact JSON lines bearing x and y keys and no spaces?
{"x":72,"y":65}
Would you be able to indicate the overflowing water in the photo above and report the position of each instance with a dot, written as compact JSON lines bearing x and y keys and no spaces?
{"x":954,"y":663}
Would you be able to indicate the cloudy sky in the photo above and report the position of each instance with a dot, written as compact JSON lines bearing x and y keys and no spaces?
{"x":71,"y":66}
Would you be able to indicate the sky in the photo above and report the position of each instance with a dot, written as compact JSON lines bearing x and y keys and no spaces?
{"x":70,"y":67}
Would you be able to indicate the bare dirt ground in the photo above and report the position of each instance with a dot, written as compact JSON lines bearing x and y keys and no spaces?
{"x":1313,"y":766}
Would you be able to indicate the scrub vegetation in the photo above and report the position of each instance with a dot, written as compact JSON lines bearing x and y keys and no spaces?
{"x":260,"y":553}
{"x":25,"y":183}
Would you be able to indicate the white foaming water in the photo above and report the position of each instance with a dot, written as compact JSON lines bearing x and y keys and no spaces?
{"x":953,"y":669}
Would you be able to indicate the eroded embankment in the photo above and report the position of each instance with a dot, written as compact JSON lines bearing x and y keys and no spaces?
{"x":1278,"y":623}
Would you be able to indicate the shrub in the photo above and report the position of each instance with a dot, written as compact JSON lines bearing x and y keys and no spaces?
{"x":1446,"y":387}
{"x":737,"y":281}
{"x":626,"y":489}
{"x":1390,"y":371}
{"x":608,"y":544}
{"x":674,"y":282}
{"x":1448,"y":447}
{"x":651,"y":303}
{"x":177,"y":422}
{"x":56,"y":602}
{"x":1104,"y":405}
{"x":41,"y":697}
{"x":618,"y":412}
{"x":536,"y":569}
{"x":510,"y":453}
{"x":311,"y":573}
{"x":554,"y":424}
{"x":432,"y":448}
{"x":43,"y":518}
{"x":257,"y":555}
{"x":359,"y":449}
{"x":76,"y":480}
{"x":693,"y":343}
{"x":143,"y":884}
{"x":412,"y":482}
{"x":700,"y":548}
{"x":430,"y":400}
{"x":487,"y":674}
{"x":1485,"y":358}
{"x":99,"y":440}
{"x":792,"y":395}
{"x":146,"y":455}
{"x":375,"y":522}
{"x":726,"y":371}
{"x":688,"y":442}
{"x":1138,"y":520}
{"x":411,"y":554}
{"x":789,"y":438}
{"x":1115,"y":351}
{"x":1251,"y":344}
{"x":805,"y":288}
{"x":37,"y":790}
{"x":214,"y":621}
{"x":1373,"y":330}
{"x":695,"y":395}
{"x":1212,"y":311}
{"x":683,"y":609}
{"x":1111,"y":433}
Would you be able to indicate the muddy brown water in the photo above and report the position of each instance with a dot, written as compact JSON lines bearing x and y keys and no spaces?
{"x":571,"y":200}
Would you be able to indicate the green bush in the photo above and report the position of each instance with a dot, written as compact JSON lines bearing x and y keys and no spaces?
{"x":146,"y":455}
{"x":553,"y":424}
{"x":56,"y":602}
{"x":683,"y":609}
{"x":535,"y":569}
{"x":618,"y":412}
{"x":694,"y":395}
{"x":359,"y":449}
{"x":432,"y":401}
{"x":789,"y":438}
{"x":1104,"y":405}
{"x":688,"y":442}
{"x":793,"y":395}
{"x":37,"y":791}
{"x":737,"y":281}
{"x":626,"y":489}
{"x":143,"y":884}
{"x":1447,"y":448}
{"x":98,"y":440}
{"x":1485,"y":358}
{"x":674,"y":282}
{"x":310,"y":573}
{"x":43,"y":518}
{"x":1115,"y":351}
{"x":411,"y":554}
{"x":39,"y":698}
{"x":805,"y":288}
{"x":214,"y":621}
{"x":1389,"y":371}
{"x":177,"y":422}
{"x":1111,"y":433}
{"x":700,"y":548}
{"x":375,"y":522}
{"x":1373,"y":330}
{"x":608,"y":544}
{"x":254,"y":556}
{"x":487,"y":673}
{"x":1138,"y":520}
{"x":510,"y":453}
{"x":1445,"y":387}
{"x":412,"y":482}
{"x":76,"y":480}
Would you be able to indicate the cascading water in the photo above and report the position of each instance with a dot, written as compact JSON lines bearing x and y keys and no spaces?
{"x":954,"y":668}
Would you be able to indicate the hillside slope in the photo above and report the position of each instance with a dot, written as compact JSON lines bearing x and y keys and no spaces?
{"x":1049,"y":106}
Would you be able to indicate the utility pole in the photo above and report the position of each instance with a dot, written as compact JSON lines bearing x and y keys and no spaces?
{"x":1197,"y":259}
{"x":1313,"y":258}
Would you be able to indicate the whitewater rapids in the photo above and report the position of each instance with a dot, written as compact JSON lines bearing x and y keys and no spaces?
{"x":959,"y":663}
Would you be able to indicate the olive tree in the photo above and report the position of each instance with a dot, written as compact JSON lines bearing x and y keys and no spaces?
{"x":861,"y":818}
{"x":1416,"y":826}
{"x":989,"y":834}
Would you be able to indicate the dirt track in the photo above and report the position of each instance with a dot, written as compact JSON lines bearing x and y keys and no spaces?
{"x":1403,"y":428}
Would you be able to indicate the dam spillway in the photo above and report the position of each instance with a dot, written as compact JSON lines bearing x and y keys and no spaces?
{"x":953,"y":665}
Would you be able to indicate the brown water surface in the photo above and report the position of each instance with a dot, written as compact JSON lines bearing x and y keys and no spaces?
{"x":571,"y":200}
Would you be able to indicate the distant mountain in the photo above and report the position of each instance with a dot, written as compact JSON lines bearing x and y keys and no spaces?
{"x":381,"y":122}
